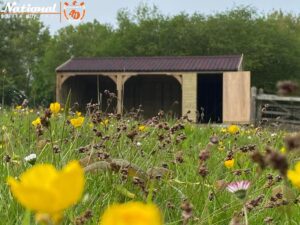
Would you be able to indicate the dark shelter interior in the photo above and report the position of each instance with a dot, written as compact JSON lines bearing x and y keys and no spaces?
{"x":210,"y":98}
{"x":153,"y":93}
{"x":84,"y":90}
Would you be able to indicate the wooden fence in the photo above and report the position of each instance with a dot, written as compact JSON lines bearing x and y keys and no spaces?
{"x":273,"y":109}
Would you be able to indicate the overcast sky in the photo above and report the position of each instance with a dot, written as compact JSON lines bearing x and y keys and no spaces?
{"x":105,"y":10}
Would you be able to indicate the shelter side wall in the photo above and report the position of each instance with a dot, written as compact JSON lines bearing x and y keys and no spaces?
{"x":189,"y":95}
{"x":236,"y":97}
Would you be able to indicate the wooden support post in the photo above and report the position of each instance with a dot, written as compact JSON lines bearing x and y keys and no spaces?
{"x":120,"y":94}
{"x":253,"y":104}
{"x":259,"y":107}
{"x":258,"y":112}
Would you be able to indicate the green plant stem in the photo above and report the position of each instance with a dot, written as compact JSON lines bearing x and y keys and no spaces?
{"x":26,"y":218}
{"x":246,"y":215}
{"x":52,"y":145}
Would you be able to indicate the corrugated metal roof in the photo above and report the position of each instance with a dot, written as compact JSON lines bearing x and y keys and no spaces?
{"x":153,"y":64}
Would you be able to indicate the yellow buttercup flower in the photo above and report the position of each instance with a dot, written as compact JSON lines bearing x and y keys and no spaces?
{"x":78,"y":113}
{"x":55,"y":107}
{"x":223,"y":130}
{"x":18,"y":107}
{"x":36,"y":122}
{"x":248,"y":131}
{"x":77,"y":122}
{"x":47,"y":191}
{"x":233,"y":129}
{"x":132,"y":213}
{"x":229,"y":163}
{"x":283,"y":150}
{"x":142,"y":127}
{"x":294,"y":175}
{"x":221,"y":146}
{"x":105,"y":122}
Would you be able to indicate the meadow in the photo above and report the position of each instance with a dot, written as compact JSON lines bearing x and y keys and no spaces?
{"x":184,"y":169}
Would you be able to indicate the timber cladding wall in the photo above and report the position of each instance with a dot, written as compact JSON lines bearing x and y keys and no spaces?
{"x":236,"y":97}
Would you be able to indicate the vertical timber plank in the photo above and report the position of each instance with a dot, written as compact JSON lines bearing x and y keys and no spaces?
{"x":236,"y":97}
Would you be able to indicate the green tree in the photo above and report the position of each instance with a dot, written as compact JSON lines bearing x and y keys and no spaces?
{"x":270,"y":44}
{"x":22,"y":47}
{"x":85,"y":40}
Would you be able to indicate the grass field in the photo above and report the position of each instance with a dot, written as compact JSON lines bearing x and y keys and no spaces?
{"x":127,"y":159}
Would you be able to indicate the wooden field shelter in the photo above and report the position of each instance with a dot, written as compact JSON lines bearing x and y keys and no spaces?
{"x":213,"y":88}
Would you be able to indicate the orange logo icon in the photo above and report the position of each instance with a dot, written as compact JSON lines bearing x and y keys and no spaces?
{"x":74,"y":11}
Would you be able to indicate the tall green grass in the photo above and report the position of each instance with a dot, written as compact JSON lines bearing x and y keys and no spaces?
{"x":158,"y":147}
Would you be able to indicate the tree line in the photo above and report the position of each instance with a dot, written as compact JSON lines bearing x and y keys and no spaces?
{"x":29,"y":54}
